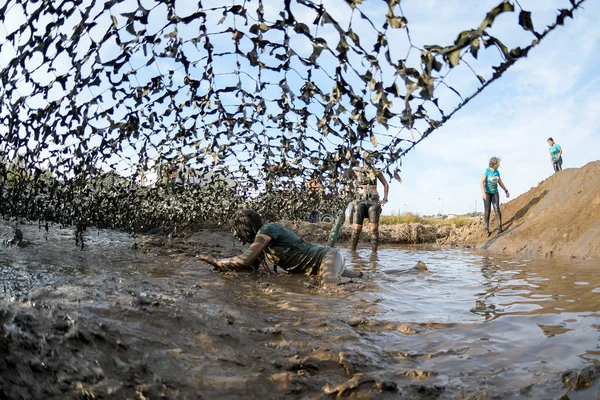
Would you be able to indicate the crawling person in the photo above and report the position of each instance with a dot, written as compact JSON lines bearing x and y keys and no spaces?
{"x":283,"y":248}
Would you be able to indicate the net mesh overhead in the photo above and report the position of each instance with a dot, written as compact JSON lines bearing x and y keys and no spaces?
{"x":127,"y":114}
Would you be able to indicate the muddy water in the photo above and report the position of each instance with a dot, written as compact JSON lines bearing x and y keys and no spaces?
{"x":152,"y":322}
{"x":487,"y":321}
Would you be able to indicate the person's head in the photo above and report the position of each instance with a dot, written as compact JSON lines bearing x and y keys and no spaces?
{"x":551,"y":141}
{"x":370,"y":157}
{"x":245,"y":224}
{"x":367,"y":157}
{"x":494,"y":162}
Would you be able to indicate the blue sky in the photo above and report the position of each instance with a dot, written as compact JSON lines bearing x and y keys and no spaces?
{"x":555,"y":92}
{"x":552,"y":92}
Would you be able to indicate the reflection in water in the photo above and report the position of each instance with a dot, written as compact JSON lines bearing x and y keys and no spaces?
{"x":51,"y":257}
{"x":470,"y":318}
{"x":467,"y":321}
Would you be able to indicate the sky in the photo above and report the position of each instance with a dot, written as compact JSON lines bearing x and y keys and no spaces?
{"x":552,"y":92}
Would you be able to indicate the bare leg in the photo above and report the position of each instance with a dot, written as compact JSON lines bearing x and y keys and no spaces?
{"x":350,"y":273}
{"x":374,"y":228}
{"x":374,"y":213}
{"x":356,"y":230}
{"x":331,"y":268}
{"x":358,"y":217}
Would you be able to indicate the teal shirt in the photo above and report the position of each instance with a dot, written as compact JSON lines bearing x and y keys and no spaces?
{"x":292,"y":253}
{"x":554,"y":150}
{"x":491,"y":181}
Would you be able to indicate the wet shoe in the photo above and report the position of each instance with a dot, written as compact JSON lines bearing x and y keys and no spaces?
{"x":350,"y":273}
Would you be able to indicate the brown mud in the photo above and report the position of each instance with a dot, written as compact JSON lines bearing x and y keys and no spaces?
{"x":560,"y":216}
{"x":109,"y":322}
{"x":161,"y":324}
{"x":142,"y":318}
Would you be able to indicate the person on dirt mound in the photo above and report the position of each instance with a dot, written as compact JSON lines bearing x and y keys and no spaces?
{"x":555,"y":155}
{"x":489,"y":191}
{"x":283,"y":248}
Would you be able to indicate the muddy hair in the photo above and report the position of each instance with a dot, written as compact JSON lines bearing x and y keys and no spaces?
{"x":245,"y":224}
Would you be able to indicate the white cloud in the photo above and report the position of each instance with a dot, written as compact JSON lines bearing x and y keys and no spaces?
{"x":518,"y":136}
{"x":553,"y":92}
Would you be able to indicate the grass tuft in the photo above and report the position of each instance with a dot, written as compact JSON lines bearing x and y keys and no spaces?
{"x":411,"y":218}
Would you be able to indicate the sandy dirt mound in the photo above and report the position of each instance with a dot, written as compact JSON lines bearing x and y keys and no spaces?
{"x":560,"y":216}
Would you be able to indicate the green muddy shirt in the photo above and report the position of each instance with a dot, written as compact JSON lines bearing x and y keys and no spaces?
{"x":293,"y":254}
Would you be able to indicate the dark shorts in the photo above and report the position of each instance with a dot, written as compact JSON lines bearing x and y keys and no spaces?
{"x":557,"y":165}
{"x":304,"y":258}
{"x":366,"y":209}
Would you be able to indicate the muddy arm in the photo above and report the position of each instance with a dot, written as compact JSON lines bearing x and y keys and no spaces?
{"x":244,"y":260}
{"x":386,"y":187}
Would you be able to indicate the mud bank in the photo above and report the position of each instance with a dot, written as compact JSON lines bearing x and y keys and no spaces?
{"x":155,"y":323}
{"x":388,"y":234}
{"x":111,"y":322}
{"x":560,"y":216}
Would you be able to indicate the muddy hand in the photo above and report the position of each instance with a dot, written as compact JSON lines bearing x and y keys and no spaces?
{"x":208,"y":259}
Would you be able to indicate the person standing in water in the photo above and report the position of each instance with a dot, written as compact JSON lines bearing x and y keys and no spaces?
{"x":314,"y":190}
{"x":555,"y":155}
{"x":489,"y":191}
{"x":367,"y":203}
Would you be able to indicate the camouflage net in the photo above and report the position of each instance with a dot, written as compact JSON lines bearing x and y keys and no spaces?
{"x":126,"y":114}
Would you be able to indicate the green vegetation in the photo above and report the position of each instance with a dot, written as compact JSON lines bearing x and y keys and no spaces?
{"x":411,"y":218}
